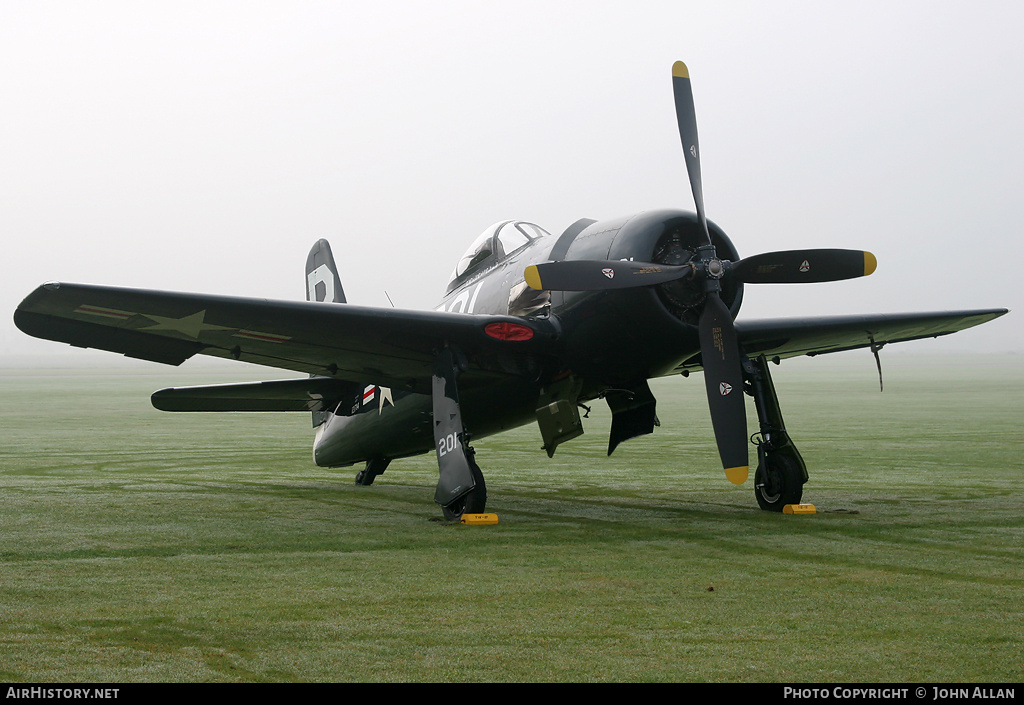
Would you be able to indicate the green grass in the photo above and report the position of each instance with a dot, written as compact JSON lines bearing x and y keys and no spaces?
{"x":142,"y":546}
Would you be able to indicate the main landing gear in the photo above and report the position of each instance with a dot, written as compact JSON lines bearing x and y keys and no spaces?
{"x":460,"y":486}
{"x":472,"y":502}
{"x":781,"y":472}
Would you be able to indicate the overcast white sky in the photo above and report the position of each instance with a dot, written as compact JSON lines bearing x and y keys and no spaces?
{"x":204,"y":146}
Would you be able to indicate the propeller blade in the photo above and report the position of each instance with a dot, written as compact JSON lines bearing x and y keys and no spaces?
{"x":686,"y":116}
{"x":723,"y":377}
{"x":600,"y":275}
{"x":719,"y":349}
{"x":804,"y":266}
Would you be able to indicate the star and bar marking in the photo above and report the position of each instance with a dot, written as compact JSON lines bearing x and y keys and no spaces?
{"x":191,"y":325}
{"x":384,"y":398}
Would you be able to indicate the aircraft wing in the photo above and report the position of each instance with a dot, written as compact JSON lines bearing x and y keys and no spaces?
{"x":391,"y":347}
{"x":814,"y":336}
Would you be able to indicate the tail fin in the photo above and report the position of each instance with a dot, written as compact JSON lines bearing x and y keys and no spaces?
{"x":322,"y":284}
{"x":322,"y":280}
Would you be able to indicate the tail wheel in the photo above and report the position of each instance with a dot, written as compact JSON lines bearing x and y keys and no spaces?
{"x":778,"y":481}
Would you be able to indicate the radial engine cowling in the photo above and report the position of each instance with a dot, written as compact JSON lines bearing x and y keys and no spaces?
{"x":672,"y":237}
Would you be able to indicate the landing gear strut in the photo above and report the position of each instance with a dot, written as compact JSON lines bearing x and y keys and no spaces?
{"x":374,"y":467}
{"x":781,"y":472}
{"x":460,"y":485}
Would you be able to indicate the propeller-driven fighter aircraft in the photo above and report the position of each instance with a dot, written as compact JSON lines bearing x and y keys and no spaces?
{"x":531,"y":328}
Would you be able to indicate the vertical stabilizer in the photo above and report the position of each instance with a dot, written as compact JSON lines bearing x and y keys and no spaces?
{"x":322,"y":284}
{"x":322,"y":280}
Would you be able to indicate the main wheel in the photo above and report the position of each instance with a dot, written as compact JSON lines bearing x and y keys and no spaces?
{"x":473,"y":502}
{"x":779,"y":484}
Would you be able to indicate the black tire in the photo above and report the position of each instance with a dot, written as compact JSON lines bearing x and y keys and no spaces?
{"x":473,"y":502}
{"x":781,"y":484}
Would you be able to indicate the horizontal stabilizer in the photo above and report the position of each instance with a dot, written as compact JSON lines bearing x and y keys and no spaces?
{"x":310,"y":394}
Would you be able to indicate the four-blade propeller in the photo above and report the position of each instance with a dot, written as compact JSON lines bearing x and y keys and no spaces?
{"x":721,"y":356}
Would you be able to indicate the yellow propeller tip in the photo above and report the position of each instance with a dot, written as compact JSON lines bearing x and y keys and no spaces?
{"x":869,"y":263}
{"x":738,"y":475}
{"x":532,"y":277}
{"x":679,"y":70}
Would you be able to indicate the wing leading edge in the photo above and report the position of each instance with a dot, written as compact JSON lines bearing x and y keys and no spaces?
{"x":815,"y":336}
{"x":791,"y":337}
{"x":386,"y":346}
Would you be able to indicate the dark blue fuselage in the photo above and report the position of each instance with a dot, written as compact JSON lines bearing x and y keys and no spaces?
{"x":609,"y":339}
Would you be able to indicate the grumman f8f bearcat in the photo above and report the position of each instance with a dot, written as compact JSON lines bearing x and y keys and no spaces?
{"x":532,"y":327}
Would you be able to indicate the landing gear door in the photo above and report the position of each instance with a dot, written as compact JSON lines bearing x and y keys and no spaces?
{"x":558,"y":414}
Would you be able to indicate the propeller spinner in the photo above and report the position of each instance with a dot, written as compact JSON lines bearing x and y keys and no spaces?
{"x":720,"y":351}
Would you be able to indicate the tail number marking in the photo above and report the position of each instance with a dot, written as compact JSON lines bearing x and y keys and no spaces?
{"x":446,"y":445}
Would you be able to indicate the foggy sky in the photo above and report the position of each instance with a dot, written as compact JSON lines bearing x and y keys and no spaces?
{"x":205,"y":146}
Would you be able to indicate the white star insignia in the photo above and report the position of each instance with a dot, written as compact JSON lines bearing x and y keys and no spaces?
{"x":191,"y":326}
{"x":385,"y":397}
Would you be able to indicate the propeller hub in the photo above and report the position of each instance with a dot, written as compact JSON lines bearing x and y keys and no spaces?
{"x":681,"y":243}
{"x":714,"y":268}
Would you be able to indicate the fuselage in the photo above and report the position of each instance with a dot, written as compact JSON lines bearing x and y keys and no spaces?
{"x":610,"y":339}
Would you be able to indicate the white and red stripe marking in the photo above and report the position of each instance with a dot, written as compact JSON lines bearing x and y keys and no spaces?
{"x":105,"y":312}
{"x":264,"y":337}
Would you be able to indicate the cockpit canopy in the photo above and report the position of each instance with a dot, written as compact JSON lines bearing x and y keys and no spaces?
{"x":493,"y":245}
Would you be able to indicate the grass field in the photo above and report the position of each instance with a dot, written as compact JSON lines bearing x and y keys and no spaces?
{"x":142,"y":546}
